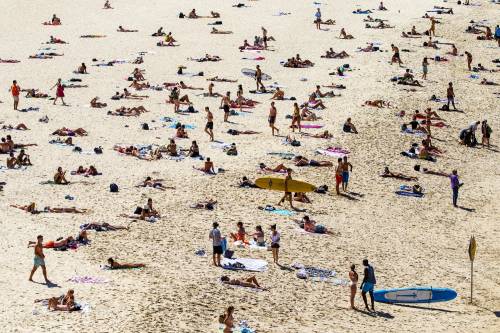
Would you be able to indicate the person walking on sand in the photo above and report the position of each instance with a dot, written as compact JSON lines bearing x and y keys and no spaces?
{"x":275,"y":243}
{"x":15,"y":90}
{"x":368,"y":284}
{"x":272,"y":118}
{"x":338,"y":176}
{"x":318,"y":19}
{"x":59,"y":92}
{"x":455,"y":186}
{"x":288,"y":194}
{"x":353,"y":276}
{"x":296,"y":118}
{"x":450,"y":95}
{"x":345,"y":165}
{"x":39,"y":260}
{"x":258,"y":77}
{"x":396,"y":57}
{"x":216,"y":238}
{"x":469,"y":60}
{"x":209,"y":127}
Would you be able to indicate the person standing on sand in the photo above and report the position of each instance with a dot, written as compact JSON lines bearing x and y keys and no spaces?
{"x":272,"y":118}
{"x":318,"y":19}
{"x":275,"y":243}
{"x":225,"y":104}
{"x":209,"y":127}
{"x":469,"y":60}
{"x":288,"y":194}
{"x":353,"y":276}
{"x":455,"y":186}
{"x":258,"y":77}
{"x":345,"y":166}
{"x":368,"y":284}
{"x":39,"y":260}
{"x":15,"y":90}
{"x":396,"y":57}
{"x":216,"y":238}
{"x":338,"y":176}
{"x":432,"y":29}
{"x":450,"y":95}
{"x":425,"y":68}
{"x":59,"y":92}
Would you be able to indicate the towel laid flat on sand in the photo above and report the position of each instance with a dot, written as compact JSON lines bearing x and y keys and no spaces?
{"x":245,"y":264}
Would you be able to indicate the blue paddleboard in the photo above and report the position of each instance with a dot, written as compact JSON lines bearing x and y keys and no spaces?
{"x":414,"y":295}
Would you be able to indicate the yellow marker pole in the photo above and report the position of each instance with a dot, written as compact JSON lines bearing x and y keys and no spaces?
{"x":472,"y":255}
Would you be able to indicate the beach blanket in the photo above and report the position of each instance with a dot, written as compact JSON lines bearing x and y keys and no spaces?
{"x":311,"y":126}
{"x":330,"y":153}
{"x":314,"y":273}
{"x":284,"y":212}
{"x":285,"y":155}
{"x":409,"y":194}
{"x":187,"y":126}
{"x":244,"y":264}
{"x":30,"y":109}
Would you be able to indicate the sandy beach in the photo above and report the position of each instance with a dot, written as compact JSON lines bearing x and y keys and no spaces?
{"x":410,"y":241}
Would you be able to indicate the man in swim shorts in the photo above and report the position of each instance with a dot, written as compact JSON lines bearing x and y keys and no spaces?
{"x":288,"y":194}
{"x":258,"y":77}
{"x":216,"y":238}
{"x":272,"y":118}
{"x":209,"y":127}
{"x":368,"y":284}
{"x":39,"y":260}
{"x":15,"y":90}
{"x":225,"y":104}
{"x":345,"y":166}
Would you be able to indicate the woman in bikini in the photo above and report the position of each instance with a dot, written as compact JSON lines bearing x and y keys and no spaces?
{"x":353,"y":285}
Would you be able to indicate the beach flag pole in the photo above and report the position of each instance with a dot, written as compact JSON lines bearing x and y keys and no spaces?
{"x":472,"y":255}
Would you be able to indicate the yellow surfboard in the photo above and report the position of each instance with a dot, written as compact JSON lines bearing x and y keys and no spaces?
{"x":278,"y":184}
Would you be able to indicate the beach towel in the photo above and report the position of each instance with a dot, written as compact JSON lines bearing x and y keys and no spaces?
{"x":244,"y":264}
{"x":285,"y":155}
{"x":88,"y":279}
{"x":329,"y":153}
{"x":311,"y":126}
{"x":30,"y":109}
{"x":314,"y":273}
{"x":409,"y":194}
{"x":187,"y":126}
{"x":220,"y":145}
{"x":283,"y":212}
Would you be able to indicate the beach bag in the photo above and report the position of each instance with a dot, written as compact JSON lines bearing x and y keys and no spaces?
{"x":138,"y":210}
{"x":295,"y":143}
{"x":319,"y":229}
{"x":302,"y":274}
{"x":191,"y":109}
{"x":228,"y":254}
{"x":77,"y":149}
{"x":98,"y":150}
{"x":145,"y":126}
{"x":444,"y":108}
{"x":322,"y":189}
{"x":113,"y":188}
{"x":181,"y":15}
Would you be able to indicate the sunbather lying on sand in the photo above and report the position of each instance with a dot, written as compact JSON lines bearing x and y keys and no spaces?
{"x":380,"y":25}
{"x":310,"y":226}
{"x":116,"y":265}
{"x":66,"y":242}
{"x":324,"y":135}
{"x":378,"y":103}
{"x":69,"y":132}
{"x":54,"y":40}
{"x":278,"y":168}
{"x":218,"y":79}
{"x":207,"y":204}
{"x":19,"y":127}
{"x":331,"y":54}
{"x":81,"y":171}
{"x":249,"y":282}
{"x":122,"y":29}
{"x":128,"y":112}
{"x":220,"y":32}
{"x":31,"y":208}
{"x":389,"y":174}
{"x":302,"y":161}
{"x":430,"y":172}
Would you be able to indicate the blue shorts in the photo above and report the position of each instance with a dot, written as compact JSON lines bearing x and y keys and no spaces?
{"x":38,"y":262}
{"x":368,"y":286}
{"x":345,"y":176}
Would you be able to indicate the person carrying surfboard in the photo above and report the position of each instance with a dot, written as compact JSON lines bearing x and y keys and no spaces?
{"x":368,"y":284}
{"x":287,"y":195}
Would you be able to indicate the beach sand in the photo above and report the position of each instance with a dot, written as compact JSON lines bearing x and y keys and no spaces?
{"x":410,"y":241}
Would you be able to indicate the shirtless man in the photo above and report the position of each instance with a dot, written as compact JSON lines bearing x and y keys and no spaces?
{"x":11,"y":161}
{"x":39,"y":260}
{"x":225,"y":104}
{"x":278,"y":94}
{"x":346,"y":167}
{"x":450,"y":95}
{"x":258,"y":77}
{"x":287,"y":195}
{"x":272,"y":118}
{"x":432,"y":29}
{"x":209,"y":127}
{"x":211,"y":92}
{"x":396,"y":57}
{"x":208,"y":167}
{"x":95,"y":104}
{"x":60,"y":177}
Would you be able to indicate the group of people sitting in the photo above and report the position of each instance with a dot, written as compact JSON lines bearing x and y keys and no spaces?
{"x":297,"y":62}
